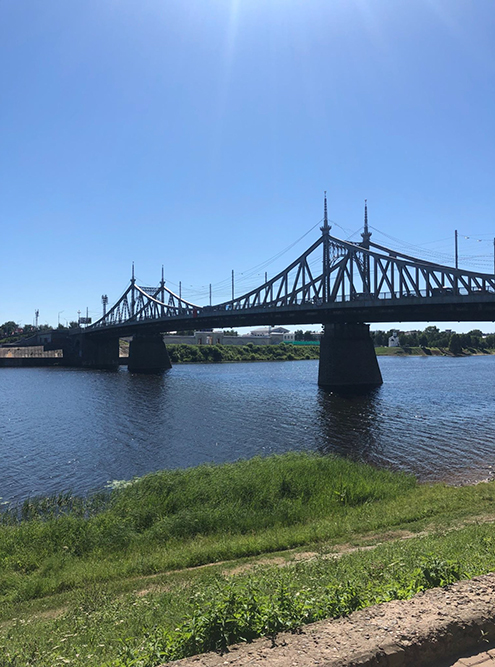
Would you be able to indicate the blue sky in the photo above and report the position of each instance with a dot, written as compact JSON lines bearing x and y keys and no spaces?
{"x":201,"y":134}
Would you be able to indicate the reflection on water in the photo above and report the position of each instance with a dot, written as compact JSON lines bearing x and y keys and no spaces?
{"x":79,"y":429}
{"x":433,"y":417}
{"x":349,"y":424}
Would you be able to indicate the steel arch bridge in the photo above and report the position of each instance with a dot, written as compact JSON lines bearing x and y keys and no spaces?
{"x":333,"y":281}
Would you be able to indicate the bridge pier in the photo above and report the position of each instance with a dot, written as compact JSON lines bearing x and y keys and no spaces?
{"x":347,"y":359}
{"x":148,"y":354}
{"x":90,"y":352}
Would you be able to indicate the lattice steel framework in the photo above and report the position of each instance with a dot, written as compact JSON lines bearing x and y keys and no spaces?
{"x":329,"y":273}
{"x":357,"y":273}
{"x":139,"y":304}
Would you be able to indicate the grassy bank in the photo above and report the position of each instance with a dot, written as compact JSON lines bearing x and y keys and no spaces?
{"x":287,"y":352}
{"x":428,"y":352}
{"x":409,"y":351}
{"x":106,"y":580}
{"x":249,"y":352}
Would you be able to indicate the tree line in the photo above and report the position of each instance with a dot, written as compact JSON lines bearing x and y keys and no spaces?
{"x":307,"y":336}
{"x":433,"y":337}
{"x":10,"y":331}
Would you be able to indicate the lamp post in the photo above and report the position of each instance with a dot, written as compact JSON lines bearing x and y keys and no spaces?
{"x":104,"y":301}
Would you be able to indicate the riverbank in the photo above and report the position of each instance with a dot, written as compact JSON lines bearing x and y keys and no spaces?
{"x":185,"y":353}
{"x":428,"y":352}
{"x":288,"y":352}
{"x":168,"y":565}
{"x":216,"y":353}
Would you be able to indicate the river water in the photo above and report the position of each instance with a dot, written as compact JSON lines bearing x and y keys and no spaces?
{"x":78,"y":430}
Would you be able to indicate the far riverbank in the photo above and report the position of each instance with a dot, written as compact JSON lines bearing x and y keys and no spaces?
{"x":428,"y":352}
{"x":185,"y":353}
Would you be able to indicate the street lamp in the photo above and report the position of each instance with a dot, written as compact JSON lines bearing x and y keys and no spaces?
{"x":104,"y":301}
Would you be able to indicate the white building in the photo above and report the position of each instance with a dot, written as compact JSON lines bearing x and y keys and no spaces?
{"x":393,"y":340}
{"x":274,"y":335}
{"x":265,"y":336}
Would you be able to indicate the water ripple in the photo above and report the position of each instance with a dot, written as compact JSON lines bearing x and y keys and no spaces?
{"x":63,"y":429}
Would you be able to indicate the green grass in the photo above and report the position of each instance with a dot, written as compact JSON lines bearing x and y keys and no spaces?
{"x":209,"y":610}
{"x":406,"y":351}
{"x":84,"y":558}
{"x":182,"y":518}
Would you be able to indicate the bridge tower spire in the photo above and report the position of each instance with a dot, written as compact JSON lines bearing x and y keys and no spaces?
{"x":133,"y":296}
{"x":366,"y":233}
{"x":325,"y":232}
{"x":365,"y":243}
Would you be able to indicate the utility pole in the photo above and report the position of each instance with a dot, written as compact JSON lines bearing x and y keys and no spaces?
{"x":456,"y":251}
{"x":162,"y":293}
{"x":180,"y":289}
{"x":210,"y":294}
{"x":232,"y":284}
{"x":162,"y":286}
{"x":133,"y":295}
{"x":36,"y":316}
{"x":266,"y":277}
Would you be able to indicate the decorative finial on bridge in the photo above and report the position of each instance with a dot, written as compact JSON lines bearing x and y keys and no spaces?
{"x":326,"y":228}
{"x":163,"y":276}
{"x":366,"y":233}
{"x":133,"y":280}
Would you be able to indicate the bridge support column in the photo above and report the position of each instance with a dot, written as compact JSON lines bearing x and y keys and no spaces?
{"x":90,"y":352}
{"x":347,"y":359}
{"x":148,"y":354}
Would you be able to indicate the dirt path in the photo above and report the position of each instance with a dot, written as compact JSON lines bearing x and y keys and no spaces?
{"x":434,"y":628}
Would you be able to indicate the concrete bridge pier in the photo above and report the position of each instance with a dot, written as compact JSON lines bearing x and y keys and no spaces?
{"x":148,"y":354}
{"x":347,"y":359}
{"x":91,"y":352}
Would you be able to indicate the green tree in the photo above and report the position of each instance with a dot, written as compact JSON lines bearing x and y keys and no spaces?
{"x":431,"y":334}
{"x":455,"y":344}
{"x":380,"y":338}
{"x":8,"y":328}
{"x":490,"y":341}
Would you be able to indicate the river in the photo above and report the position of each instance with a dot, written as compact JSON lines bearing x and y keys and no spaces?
{"x":78,"y":430}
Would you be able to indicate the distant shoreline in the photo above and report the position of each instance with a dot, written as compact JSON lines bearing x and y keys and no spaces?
{"x":428,"y":352}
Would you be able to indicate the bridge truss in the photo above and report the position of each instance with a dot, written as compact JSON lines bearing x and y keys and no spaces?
{"x":330,"y":274}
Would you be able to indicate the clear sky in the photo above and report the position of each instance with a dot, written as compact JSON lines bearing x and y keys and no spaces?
{"x":201,"y":134}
